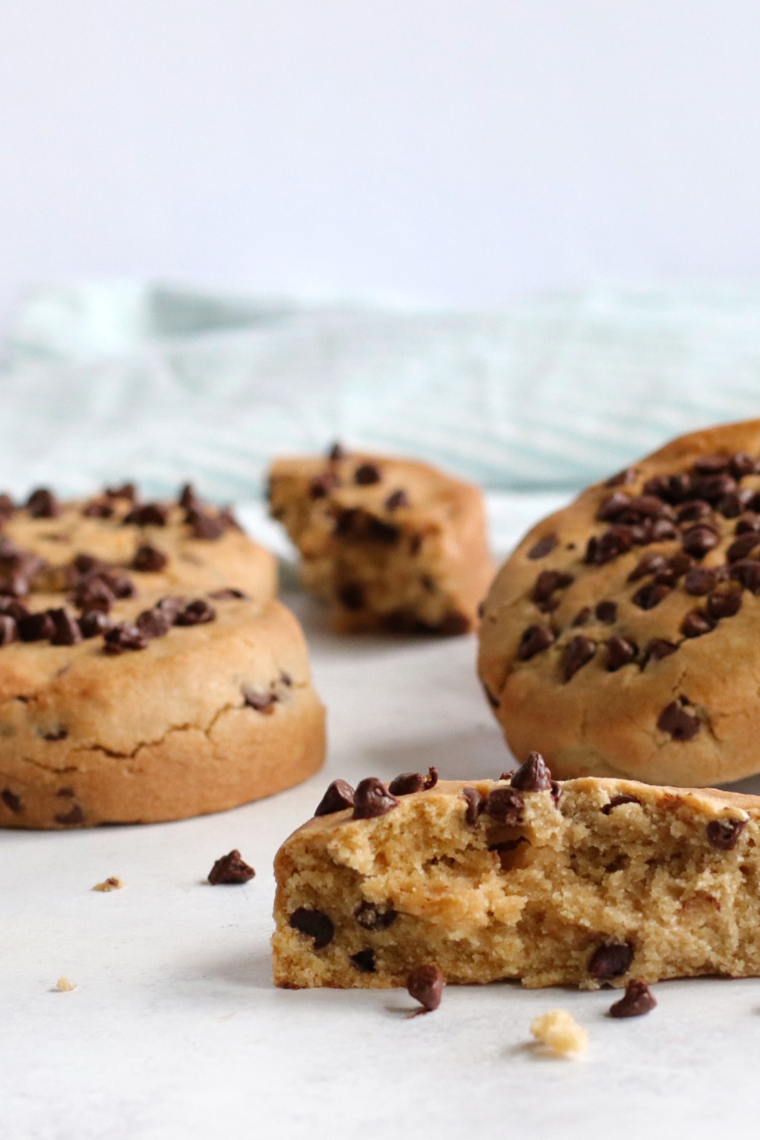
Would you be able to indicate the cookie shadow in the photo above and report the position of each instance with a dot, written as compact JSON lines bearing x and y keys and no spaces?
{"x":475,"y":754}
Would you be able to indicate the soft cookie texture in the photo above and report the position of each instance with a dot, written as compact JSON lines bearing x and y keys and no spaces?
{"x":146,"y":673}
{"x":391,"y":543}
{"x":622,"y":637}
{"x":592,"y":882}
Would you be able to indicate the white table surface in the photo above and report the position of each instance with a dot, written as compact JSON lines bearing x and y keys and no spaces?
{"x":175,"y":1031}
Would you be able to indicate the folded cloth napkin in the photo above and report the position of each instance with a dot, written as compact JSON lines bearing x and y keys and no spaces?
{"x":551,"y":392}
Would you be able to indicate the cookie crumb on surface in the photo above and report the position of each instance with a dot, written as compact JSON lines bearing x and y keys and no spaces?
{"x":64,"y":985}
{"x":560,"y":1032}
{"x":112,"y":883}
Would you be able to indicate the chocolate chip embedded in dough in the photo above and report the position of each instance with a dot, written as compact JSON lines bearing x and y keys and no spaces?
{"x":637,"y":1000}
{"x":321,"y":485}
{"x":671,"y":488}
{"x":230,"y":869}
{"x":742,"y":464}
{"x":149,"y":514}
{"x":380,"y":531}
{"x":188,"y":498}
{"x":70,"y":818}
{"x":605,"y":548}
{"x":731,"y":506}
{"x":606,"y":612}
{"x":742,"y":546}
{"x":747,"y":522}
{"x":148,"y":559}
{"x":373,"y":916}
{"x":713,"y":488}
{"x":617,"y":801}
{"x":36,"y":627}
{"x":712,"y":464}
{"x":700,"y":580}
{"x":338,"y":797}
{"x":662,"y":531}
{"x":747,"y":571}
{"x":532,"y":776}
{"x":475,"y":805}
{"x":93,"y":623}
{"x":67,"y":631}
{"x":228,"y":594}
{"x":724,"y":605}
{"x":534,"y":639}
{"x":581,"y":618}
{"x":548,"y":581}
{"x":425,"y":984}
{"x":724,"y":833}
{"x":698,"y":540}
{"x":8,"y":629}
{"x":53,"y":734}
{"x":660,"y":647}
{"x":623,"y":478}
{"x":693,"y":510}
{"x":409,"y":782}
{"x":543,"y":547}
{"x":677,"y":722}
{"x":315,"y":924}
{"x":396,"y":500}
{"x":372,"y":799}
{"x":453,"y":624}
{"x":577,"y":653}
{"x":126,"y":491}
{"x":97,"y":509}
{"x":196,"y":613}
{"x":697,"y":624}
{"x":262,"y":701}
{"x":337,"y":452}
{"x":364,"y":960}
{"x":620,"y":651}
{"x":124,"y":636}
{"x":650,"y":595}
{"x":42,"y":504}
{"x":505,"y":805}
{"x":610,"y":961}
{"x":6,"y":507}
{"x":13,"y":802}
{"x":154,"y":623}
{"x":351,"y":595}
{"x":205,"y":527}
{"x":367,"y":474}
{"x":94,"y":594}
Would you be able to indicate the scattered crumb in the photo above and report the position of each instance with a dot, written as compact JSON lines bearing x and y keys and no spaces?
{"x":113,"y":883}
{"x":560,"y":1032}
{"x":64,"y":985}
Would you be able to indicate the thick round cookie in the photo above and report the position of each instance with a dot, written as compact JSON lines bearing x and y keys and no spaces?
{"x":622,"y":637}
{"x":136,"y":695}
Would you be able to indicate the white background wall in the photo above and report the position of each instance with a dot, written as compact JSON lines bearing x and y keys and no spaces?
{"x":451,"y":150}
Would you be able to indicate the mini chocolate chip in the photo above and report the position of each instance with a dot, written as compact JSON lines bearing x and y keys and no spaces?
{"x":262,"y":700}
{"x":93,"y":622}
{"x":126,"y":491}
{"x":366,"y":474}
{"x":453,"y":624}
{"x":149,"y":559}
{"x":610,"y":961}
{"x":338,"y":797}
{"x":228,"y":594}
{"x":623,"y":478}
{"x":548,"y":581}
{"x":196,"y":613}
{"x":149,"y":514}
{"x":364,"y":960}
{"x":67,"y":631}
{"x":616,"y":801}
{"x":659,"y":647}
{"x":724,"y":605}
{"x":154,"y":623}
{"x":315,"y":924}
{"x":337,"y":452}
{"x":475,"y":805}
{"x":693,"y":510}
{"x":36,"y":627}
{"x":637,"y":1000}
{"x":425,"y":984}
{"x":700,"y":580}
{"x":505,"y":805}
{"x":42,"y":504}
{"x":351,"y":595}
{"x":677,"y":722}
{"x":620,"y":651}
{"x":409,"y":782}
{"x":13,"y":802}
{"x":97,"y":509}
{"x":321,"y":485}
{"x":124,"y":636}
{"x":543,"y":547}
{"x":747,"y":571}
{"x":372,"y":799}
{"x":650,"y":595}
{"x":372,"y":916}
{"x":741,"y":546}
{"x":230,"y":869}
{"x":577,"y":653}
{"x":380,"y":531}
{"x":8,"y":629}
{"x":606,"y":612}
{"x":696,"y":624}
{"x":71,"y":818}
{"x":698,"y":540}
{"x":724,"y":833}
{"x":397,"y":499}
{"x":532,"y":776}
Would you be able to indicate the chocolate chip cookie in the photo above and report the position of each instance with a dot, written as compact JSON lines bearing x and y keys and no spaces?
{"x":391,"y":543}
{"x":622,"y":637}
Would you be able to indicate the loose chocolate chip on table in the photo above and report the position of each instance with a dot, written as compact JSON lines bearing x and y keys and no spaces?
{"x":747,"y":571}
{"x":610,"y":961}
{"x":617,"y":801}
{"x":8,"y":629}
{"x":366,"y":474}
{"x":94,"y":622}
{"x":42,"y":504}
{"x":620,"y":651}
{"x":698,"y":540}
{"x":696,"y":624}
{"x":396,"y":499}
{"x":70,"y":818}
{"x":314,"y":923}
{"x":149,"y":514}
{"x":97,"y":509}
{"x":321,"y":485}
{"x":532,"y":776}
{"x":36,"y":627}
{"x":374,"y":917}
{"x":677,"y":722}
{"x":637,"y":1000}
{"x":543,"y":547}
{"x":337,"y":452}
{"x":351,"y":595}
{"x":409,"y":782}
{"x":505,"y":805}
{"x":724,"y":605}
{"x":372,"y":799}
{"x":700,"y":580}
{"x":724,"y":833}
{"x":338,"y":797}
{"x":13,"y":802}
{"x":228,"y":594}
{"x":364,"y":960}
{"x":650,"y":595}
{"x":124,"y":636}
{"x":67,"y":631}
{"x":659,"y":647}
{"x":262,"y":701}
{"x":154,"y":623}
{"x":230,"y":869}
{"x":475,"y":805}
{"x":606,"y":612}
{"x":623,"y":478}
{"x":425,"y":984}
{"x":149,"y":559}
{"x":577,"y":653}
{"x":196,"y":613}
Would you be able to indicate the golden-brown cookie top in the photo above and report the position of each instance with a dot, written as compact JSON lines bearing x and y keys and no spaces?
{"x":623,"y":634}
